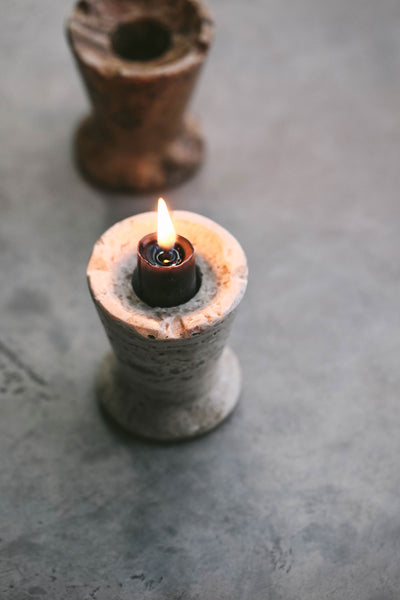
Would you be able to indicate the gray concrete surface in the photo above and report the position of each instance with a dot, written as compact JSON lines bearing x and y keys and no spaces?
{"x":297,"y":495}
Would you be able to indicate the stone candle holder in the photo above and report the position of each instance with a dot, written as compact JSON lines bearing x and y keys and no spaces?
{"x":170,"y":376}
{"x":139,"y":60}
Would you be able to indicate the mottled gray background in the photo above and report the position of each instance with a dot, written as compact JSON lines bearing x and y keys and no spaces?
{"x":297,"y":496}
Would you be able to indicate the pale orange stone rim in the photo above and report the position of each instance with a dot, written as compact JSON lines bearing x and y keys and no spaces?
{"x":212,"y":243}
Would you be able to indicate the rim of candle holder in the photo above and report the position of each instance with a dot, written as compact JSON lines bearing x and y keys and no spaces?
{"x":219,"y":257}
{"x":108,"y":22}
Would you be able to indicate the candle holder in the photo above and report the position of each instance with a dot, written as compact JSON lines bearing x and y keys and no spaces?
{"x":139,"y":61}
{"x":170,"y":376}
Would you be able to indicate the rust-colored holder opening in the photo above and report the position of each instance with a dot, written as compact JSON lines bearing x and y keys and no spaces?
{"x":139,"y":60}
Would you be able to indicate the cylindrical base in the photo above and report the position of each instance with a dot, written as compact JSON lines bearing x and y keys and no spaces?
{"x":157,"y":420}
{"x":108,"y":163}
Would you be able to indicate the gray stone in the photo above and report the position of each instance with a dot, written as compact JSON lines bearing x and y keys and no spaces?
{"x":148,"y":414}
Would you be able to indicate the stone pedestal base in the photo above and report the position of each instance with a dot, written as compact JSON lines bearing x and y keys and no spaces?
{"x":140,"y":62}
{"x":152,"y":418}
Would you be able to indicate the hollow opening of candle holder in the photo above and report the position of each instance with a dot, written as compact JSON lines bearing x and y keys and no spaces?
{"x":141,"y":40}
{"x":84,"y":7}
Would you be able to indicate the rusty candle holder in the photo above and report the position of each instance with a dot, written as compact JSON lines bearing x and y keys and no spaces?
{"x":139,"y":60}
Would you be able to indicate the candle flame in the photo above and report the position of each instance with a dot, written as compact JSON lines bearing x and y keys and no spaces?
{"x":166,"y":236}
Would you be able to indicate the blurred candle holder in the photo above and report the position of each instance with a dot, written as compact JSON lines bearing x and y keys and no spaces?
{"x":139,"y":61}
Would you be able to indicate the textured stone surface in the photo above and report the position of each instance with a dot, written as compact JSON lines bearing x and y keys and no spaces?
{"x":297,"y":495}
{"x":150,"y":414}
{"x":137,"y":136}
{"x":171,"y":380}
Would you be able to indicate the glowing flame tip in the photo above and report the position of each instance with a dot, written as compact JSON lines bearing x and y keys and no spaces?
{"x":166,"y":236}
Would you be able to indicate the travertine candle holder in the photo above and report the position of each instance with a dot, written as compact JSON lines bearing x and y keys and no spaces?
{"x":139,"y":60}
{"x":170,"y":376}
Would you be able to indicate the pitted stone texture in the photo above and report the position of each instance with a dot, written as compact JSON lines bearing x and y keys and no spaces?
{"x":155,"y":416}
{"x":138,"y":137}
{"x":173,"y":380}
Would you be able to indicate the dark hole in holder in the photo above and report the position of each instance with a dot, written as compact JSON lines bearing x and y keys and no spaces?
{"x":141,"y":40}
{"x":84,"y":7}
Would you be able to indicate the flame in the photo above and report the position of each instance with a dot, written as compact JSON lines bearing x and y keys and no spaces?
{"x":166,"y":236}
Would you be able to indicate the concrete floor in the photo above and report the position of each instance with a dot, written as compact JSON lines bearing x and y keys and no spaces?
{"x":297,"y":495}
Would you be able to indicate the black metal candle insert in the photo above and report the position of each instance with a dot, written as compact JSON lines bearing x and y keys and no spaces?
{"x":165,"y":277}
